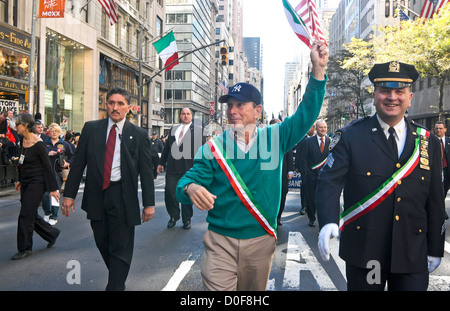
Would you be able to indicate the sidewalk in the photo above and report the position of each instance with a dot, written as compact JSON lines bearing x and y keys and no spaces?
{"x":8,"y":191}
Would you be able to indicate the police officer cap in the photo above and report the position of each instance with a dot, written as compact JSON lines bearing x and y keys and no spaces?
{"x":154,"y":133}
{"x":394,"y":75}
{"x":243,"y":92}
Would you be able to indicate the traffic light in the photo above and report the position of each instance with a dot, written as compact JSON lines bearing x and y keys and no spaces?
{"x":224,"y":55}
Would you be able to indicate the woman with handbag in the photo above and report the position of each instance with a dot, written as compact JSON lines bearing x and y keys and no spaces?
{"x":35,"y":177}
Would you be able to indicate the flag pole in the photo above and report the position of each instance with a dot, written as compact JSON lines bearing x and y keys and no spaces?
{"x":402,"y":6}
{"x":31,"y":97}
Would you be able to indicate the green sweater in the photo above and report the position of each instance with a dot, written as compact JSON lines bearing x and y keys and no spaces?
{"x":260,"y":169}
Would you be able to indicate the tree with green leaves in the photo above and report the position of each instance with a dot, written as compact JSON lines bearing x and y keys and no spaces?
{"x":426,"y":45}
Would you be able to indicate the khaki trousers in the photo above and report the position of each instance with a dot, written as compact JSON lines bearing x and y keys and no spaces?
{"x":230,"y":264}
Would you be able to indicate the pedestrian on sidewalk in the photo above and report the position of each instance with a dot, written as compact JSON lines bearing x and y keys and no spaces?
{"x":35,"y":177}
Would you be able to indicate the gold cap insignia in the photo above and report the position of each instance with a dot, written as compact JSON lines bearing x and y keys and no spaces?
{"x":394,"y":67}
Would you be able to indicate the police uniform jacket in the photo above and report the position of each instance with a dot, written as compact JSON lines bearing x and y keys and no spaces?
{"x":409,"y":224}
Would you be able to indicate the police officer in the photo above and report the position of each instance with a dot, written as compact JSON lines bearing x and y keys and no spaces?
{"x":392,"y":224}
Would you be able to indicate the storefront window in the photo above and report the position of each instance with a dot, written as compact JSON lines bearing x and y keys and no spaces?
{"x":64,"y":81}
{"x":13,"y":64}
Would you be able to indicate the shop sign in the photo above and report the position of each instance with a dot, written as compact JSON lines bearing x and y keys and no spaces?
{"x":15,"y":38}
{"x":51,"y":8}
{"x":13,"y":86}
{"x":6,"y":105}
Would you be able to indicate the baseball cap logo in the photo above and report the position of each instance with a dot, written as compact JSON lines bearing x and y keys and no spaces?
{"x":236,"y":88}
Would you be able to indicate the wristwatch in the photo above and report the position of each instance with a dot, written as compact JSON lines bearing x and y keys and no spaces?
{"x":185,"y":188}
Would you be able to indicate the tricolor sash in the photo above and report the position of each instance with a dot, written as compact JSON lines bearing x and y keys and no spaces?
{"x":382,"y":192}
{"x":241,"y":188}
{"x":319,"y":165}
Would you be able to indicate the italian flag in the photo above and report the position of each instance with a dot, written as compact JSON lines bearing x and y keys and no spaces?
{"x":166,"y":47}
{"x":297,"y":24}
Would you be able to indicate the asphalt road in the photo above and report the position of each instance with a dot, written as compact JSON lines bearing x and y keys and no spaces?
{"x":167,"y":259}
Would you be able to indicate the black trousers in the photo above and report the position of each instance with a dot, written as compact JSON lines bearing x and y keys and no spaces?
{"x":114,"y":237}
{"x":170,"y":199}
{"x":29,"y":220}
{"x":311,"y":197}
{"x":358,"y":279}
{"x":284,"y":192}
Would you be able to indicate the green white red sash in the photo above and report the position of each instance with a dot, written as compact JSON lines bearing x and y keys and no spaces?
{"x":381,"y":193}
{"x":319,"y":165}
{"x":241,"y":188}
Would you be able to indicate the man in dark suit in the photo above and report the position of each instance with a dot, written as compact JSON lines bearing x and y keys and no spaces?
{"x":178,"y":157}
{"x":115,"y":153}
{"x":315,"y":154}
{"x":440,"y":129}
{"x":392,"y":224}
{"x":299,"y":159}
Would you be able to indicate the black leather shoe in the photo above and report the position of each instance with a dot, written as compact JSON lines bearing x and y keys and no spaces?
{"x":187,"y":225}
{"x":52,"y":242}
{"x":172,"y":222}
{"x":302,"y":211}
{"x":312,"y":223}
{"x":21,"y":255}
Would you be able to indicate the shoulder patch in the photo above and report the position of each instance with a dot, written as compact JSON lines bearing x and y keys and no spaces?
{"x":336,"y":138}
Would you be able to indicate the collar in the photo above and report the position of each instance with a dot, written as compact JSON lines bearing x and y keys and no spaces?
{"x":119,"y":124}
{"x":400,"y":127}
{"x":186,"y":125}
{"x":238,"y":133}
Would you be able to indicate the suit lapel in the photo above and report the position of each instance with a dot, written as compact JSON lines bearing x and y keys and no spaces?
{"x":100,"y":143}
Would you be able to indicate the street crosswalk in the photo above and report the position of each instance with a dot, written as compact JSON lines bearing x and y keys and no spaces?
{"x":300,"y":257}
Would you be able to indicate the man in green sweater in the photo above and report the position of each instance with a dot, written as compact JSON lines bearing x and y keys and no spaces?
{"x":236,"y":177}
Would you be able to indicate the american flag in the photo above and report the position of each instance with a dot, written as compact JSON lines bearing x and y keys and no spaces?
{"x":429,"y":8}
{"x":110,"y":9}
{"x":442,"y":4}
{"x":223,"y":87}
{"x":306,"y":9}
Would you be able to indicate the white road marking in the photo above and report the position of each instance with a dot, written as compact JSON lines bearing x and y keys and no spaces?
{"x":179,"y":275}
{"x":300,"y":257}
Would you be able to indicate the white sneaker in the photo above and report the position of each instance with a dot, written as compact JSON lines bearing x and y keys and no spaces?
{"x":47,"y":218}
{"x":53,"y":222}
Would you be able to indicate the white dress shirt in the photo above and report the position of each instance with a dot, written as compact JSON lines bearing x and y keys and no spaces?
{"x":183,"y":127}
{"x":115,"y":170}
{"x":400,"y":133}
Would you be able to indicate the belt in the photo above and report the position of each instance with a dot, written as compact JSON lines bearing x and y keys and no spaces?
{"x":112,"y":183}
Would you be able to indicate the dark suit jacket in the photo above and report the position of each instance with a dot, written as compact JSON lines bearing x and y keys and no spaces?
{"x":179,"y":159}
{"x":312,"y":155}
{"x":135,"y":161}
{"x":447,"y":169}
{"x":404,"y":228}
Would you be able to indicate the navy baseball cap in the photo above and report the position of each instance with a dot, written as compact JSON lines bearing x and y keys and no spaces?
{"x":394,"y":75}
{"x":243,"y":92}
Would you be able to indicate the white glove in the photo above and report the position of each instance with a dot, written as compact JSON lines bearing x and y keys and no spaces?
{"x":328,"y":232}
{"x":433,"y":263}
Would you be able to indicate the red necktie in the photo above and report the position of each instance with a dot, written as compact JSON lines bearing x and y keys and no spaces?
{"x":109,"y":154}
{"x":180,"y":136}
{"x":444,"y":159}
{"x":322,"y":146}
